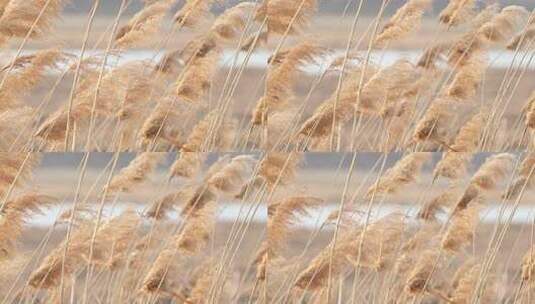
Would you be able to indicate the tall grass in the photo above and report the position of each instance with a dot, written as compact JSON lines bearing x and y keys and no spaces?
{"x":433,"y":164}
{"x":170,"y":242}
{"x":184,"y":100}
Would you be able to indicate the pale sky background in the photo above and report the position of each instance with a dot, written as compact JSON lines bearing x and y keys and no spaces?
{"x":365,"y":160}
{"x":370,"y":7}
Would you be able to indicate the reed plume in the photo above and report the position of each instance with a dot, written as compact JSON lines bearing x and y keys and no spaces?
{"x":48,"y":274}
{"x":398,"y":118}
{"x":28,"y":71}
{"x":403,"y":173}
{"x":315,"y":276}
{"x":461,"y":229}
{"x":369,"y":247}
{"x":278,"y":169}
{"x":503,"y":26}
{"x":423,"y":278}
{"x":467,"y":80}
{"x":136,"y":172}
{"x":255,"y":184}
{"x":10,"y":274}
{"x":186,"y":243}
{"x":228,"y":26}
{"x":254,"y":41}
{"x":186,"y":165}
{"x":275,"y":169}
{"x":201,"y":133}
{"x":109,"y":245}
{"x":218,"y":165}
{"x":486,"y":178}
{"x":468,"y":137}
{"x":274,"y":135}
{"x":528,"y":266}
{"x":320,"y":123}
{"x":340,"y":106}
{"x":407,"y":19}
{"x":466,"y":286}
{"x":386,"y":86}
{"x":201,"y":196}
{"x":201,"y":287}
{"x":485,"y":15}
{"x":160,"y":208}
{"x":234,"y":175}
{"x":3,"y":4}
{"x":204,"y":193}
{"x":456,"y":52}
{"x":462,"y":47}
{"x":453,"y":163}
{"x":54,"y":127}
{"x":431,"y":55}
{"x":430,"y":208}
{"x":411,"y":248}
{"x":165,"y":125}
{"x":16,"y":128}
{"x":192,"y":11}
{"x":420,"y":279}
{"x":283,"y":214}
{"x":470,"y":68}
{"x":283,"y":16}
{"x":143,"y":24}
{"x":523,"y":39}
{"x":114,"y":240}
{"x":457,"y":12}
{"x":137,"y":90}
{"x":530,"y":112}
{"x":462,"y":270}
{"x":434,"y":125}
{"x":375,"y":247}
{"x":172,"y":61}
{"x":282,"y":76}
{"x":488,"y":26}
{"x":398,"y":115}
{"x":196,"y":80}
{"x":156,"y":280}
{"x":16,"y":170}
{"x":122,"y":95}
{"x":82,"y":213}
{"x":524,"y":179}
{"x":33,"y":17}
{"x":14,"y":216}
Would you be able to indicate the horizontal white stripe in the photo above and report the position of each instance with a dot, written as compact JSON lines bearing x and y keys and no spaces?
{"x":498,"y":59}
{"x":230,"y":212}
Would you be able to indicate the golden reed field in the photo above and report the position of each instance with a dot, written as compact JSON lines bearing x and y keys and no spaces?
{"x":267,"y":228}
{"x":253,"y":76}
{"x":267,"y":151}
